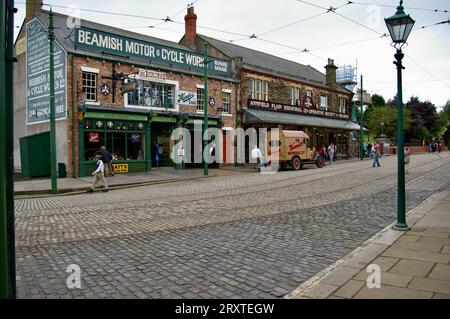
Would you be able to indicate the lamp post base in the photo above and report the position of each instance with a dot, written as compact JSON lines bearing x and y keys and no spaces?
{"x":401,"y":227}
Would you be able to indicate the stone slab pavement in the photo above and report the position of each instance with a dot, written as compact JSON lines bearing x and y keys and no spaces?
{"x":413,"y":264}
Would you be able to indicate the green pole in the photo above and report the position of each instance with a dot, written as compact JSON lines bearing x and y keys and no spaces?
{"x":401,"y":215}
{"x":361,"y":133}
{"x":9,"y":149}
{"x":205,"y":107}
{"x":4,"y":282}
{"x":51,"y":38}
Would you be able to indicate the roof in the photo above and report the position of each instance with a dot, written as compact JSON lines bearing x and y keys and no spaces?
{"x":290,"y":133}
{"x":253,"y":116}
{"x":271,"y":64}
{"x":64,"y":36}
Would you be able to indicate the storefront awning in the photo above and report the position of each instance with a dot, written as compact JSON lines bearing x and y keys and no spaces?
{"x":253,"y":116}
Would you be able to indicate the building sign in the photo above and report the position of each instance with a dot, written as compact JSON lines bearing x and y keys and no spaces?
{"x":108,"y":42}
{"x":93,"y":137}
{"x":187,"y":98}
{"x":120,"y":168}
{"x":38,"y":75}
{"x":129,"y":87}
{"x":148,"y":75}
{"x":278,"y":107}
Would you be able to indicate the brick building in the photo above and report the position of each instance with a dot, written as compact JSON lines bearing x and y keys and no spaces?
{"x":275,"y":92}
{"x":115,"y":88}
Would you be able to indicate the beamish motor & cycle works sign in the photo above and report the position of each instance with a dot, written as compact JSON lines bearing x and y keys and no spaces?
{"x":286,"y":108}
{"x":117,"y":44}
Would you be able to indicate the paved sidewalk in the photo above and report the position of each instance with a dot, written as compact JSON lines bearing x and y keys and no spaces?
{"x":41,"y":186}
{"x":414,"y":264}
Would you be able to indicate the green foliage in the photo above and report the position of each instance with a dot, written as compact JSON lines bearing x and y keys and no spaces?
{"x":383,"y":121}
{"x":378,"y":100}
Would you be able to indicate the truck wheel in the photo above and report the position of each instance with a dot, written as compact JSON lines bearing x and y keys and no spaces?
{"x":296,"y":163}
{"x":320,"y":162}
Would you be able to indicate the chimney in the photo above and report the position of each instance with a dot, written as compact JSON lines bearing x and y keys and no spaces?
{"x":330,"y":75}
{"x":33,"y":6}
{"x":190,"y":25}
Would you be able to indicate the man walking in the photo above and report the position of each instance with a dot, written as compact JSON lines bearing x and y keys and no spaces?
{"x":107,"y":159}
{"x":99,"y":175}
{"x":331,"y":151}
{"x":256,"y":154}
{"x":376,"y":154}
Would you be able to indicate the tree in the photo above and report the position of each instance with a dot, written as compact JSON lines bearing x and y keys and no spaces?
{"x":425,"y":116}
{"x":445,"y":114}
{"x":378,"y":100}
{"x":383,"y":121}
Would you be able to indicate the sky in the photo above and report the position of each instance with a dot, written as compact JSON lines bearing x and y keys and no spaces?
{"x":285,"y":28}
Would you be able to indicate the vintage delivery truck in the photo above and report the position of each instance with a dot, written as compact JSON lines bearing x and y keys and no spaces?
{"x":291,"y":149}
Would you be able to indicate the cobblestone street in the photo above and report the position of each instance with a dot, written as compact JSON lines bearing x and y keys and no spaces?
{"x":241,"y":236}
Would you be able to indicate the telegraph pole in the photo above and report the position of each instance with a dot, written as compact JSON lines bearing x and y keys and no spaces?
{"x":205,"y":109}
{"x":51,"y":39}
{"x":7,"y":246}
{"x":361,"y":132}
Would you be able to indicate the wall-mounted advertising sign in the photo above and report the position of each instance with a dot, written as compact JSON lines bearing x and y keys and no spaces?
{"x":278,"y":107}
{"x":38,"y":75}
{"x":187,"y":98}
{"x":117,"y":44}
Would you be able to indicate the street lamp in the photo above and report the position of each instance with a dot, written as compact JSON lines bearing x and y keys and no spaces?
{"x":399,"y":26}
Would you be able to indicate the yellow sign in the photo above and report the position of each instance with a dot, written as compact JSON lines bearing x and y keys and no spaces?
{"x":120,"y":168}
{"x":20,"y":47}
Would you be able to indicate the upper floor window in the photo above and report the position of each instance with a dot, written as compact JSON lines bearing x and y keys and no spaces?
{"x":342,"y":104}
{"x":266,"y":91}
{"x":324,"y":102}
{"x":251,"y":86}
{"x":200,"y":99}
{"x":309,"y":93}
{"x":258,"y":90}
{"x":152,"y":94}
{"x":226,"y":96}
{"x":294,"y":95}
{"x":90,"y":86}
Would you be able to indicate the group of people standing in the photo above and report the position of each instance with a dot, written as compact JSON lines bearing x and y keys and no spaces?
{"x":435,"y":146}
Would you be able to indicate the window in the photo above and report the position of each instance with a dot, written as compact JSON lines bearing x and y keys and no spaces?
{"x":266,"y":91}
{"x":226,"y":102}
{"x":258,"y":89}
{"x":200,"y":99}
{"x":151,"y":94}
{"x":342,"y":103}
{"x":90,"y":86}
{"x":324,"y":102}
{"x":309,"y":93}
{"x":294,"y":95}
{"x":251,"y":86}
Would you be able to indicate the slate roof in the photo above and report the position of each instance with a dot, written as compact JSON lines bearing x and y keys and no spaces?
{"x":271,"y":64}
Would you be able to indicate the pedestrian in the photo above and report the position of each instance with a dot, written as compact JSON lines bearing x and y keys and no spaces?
{"x":99,"y":175}
{"x":157,"y":154}
{"x":407,"y":158}
{"x":376,"y":154}
{"x":440,"y":146}
{"x":212,"y":155}
{"x":369,"y":150}
{"x":257,"y":155}
{"x":107,"y":160}
{"x":331,"y":150}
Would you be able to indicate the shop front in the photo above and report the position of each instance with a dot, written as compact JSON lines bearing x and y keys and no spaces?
{"x":323,"y":127}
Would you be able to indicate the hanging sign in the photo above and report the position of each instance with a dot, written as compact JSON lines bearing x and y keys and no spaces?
{"x":93,"y":137}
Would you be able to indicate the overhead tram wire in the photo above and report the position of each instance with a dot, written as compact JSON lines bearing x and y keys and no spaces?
{"x":170,"y":19}
{"x":394,"y":6}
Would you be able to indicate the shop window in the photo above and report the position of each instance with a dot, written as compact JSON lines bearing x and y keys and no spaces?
{"x":152,"y":94}
{"x":135,"y":146}
{"x":226,"y":96}
{"x":258,"y":90}
{"x":90,"y":86}
{"x":251,"y":86}
{"x":266,"y":91}
{"x":92,"y":143}
{"x":342,"y":103}
{"x":200,"y":99}
{"x":324,"y":102}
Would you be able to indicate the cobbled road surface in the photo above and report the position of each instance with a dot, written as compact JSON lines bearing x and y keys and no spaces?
{"x":240,"y":236}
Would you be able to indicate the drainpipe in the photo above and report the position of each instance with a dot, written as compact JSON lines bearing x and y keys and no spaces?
{"x":73,"y":117}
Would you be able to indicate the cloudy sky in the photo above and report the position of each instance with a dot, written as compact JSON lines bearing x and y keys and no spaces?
{"x":352,"y":35}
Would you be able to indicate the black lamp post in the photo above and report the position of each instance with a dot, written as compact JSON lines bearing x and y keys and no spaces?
{"x":399,"y":26}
